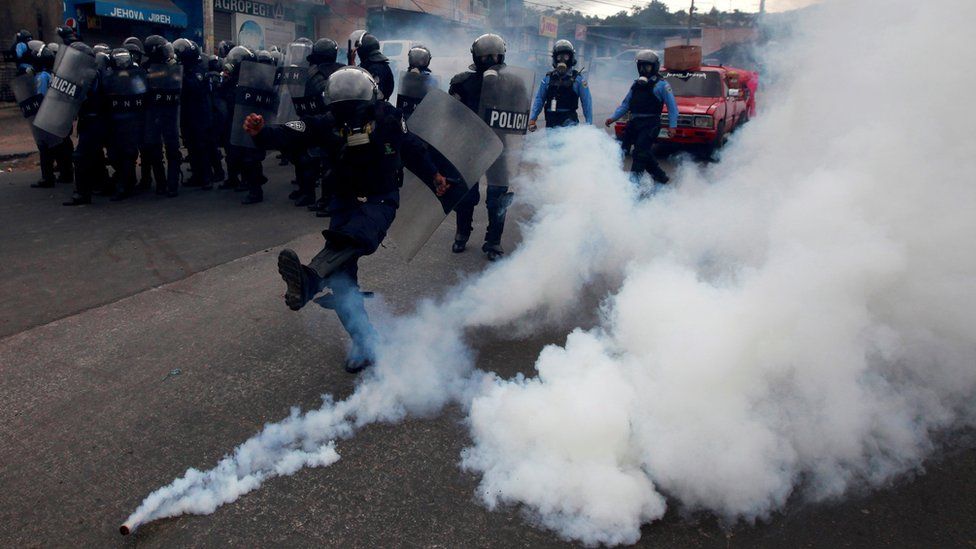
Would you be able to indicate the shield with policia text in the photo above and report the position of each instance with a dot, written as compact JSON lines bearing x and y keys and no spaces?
{"x":506,"y":98}
{"x":29,"y":101}
{"x":68,"y":88}
{"x":292,"y":77}
{"x":413,"y":87}
{"x":255,"y":93}
{"x":463,"y":146}
{"x":165,"y":83}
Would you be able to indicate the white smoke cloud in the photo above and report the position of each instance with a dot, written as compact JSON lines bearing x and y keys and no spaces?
{"x":799,"y":317}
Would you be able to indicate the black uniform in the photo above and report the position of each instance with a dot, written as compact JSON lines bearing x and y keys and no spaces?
{"x":218,"y":112}
{"x":126,"y":118}
{"x":383,"y":74}
{"x":312,"y":165}
{"x":224,"y":97}
{"x":466,"y":87}
{"x":197,"y":123}
{"x":89,"y":154}
{"x":366,"y":198}
{"x":163,"y":129}
{"x":645,"y":106}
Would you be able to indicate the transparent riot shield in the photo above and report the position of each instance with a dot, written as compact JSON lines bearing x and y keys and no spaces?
{"x":126,"y":98}
{"x":165,"y":82}
{"x":292,"y":78}
{"x":255,"y":93}
{"x":67,"y":90}
{"x":412,"y":88}
{"x":29,"y":101}
{"x":506,"y":99}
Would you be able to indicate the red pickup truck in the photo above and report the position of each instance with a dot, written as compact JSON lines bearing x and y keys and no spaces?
{"x":712,"y":102}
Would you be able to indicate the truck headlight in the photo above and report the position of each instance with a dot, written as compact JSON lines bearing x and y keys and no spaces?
{"x":703,"y":122}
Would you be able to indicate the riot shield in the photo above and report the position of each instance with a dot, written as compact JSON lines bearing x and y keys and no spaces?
{"x":165,"y":82}
{"x":462,"y":145}
{"x":126,"y":98}
{"x":506,"y":98}
{"x":254,"y":94}
{"x":25,"y":92}
{"x":291,"y":80}
{"x":412,"y":88}
{"x":67,"y":90}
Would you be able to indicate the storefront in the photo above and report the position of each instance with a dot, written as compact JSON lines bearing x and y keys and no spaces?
{"x":260,"y":25}
{"x":112,"y":21}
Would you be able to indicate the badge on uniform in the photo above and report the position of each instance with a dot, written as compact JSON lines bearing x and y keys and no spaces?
{"x":296,"y":125}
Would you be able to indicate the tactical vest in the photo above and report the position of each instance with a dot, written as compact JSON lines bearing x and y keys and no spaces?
{"x":642,"y":99}
{"x":561,"y":90}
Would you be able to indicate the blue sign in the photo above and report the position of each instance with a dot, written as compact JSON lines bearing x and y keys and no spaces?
{"x":155,"y":13}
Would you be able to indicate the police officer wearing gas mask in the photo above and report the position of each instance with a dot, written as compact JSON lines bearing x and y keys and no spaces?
{"x":368,"y":145}
{"x":487,"y":52}
{"x":645,"y":101}
{"x":562,"y":91}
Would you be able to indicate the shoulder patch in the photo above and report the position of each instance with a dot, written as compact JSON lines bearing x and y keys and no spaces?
{"x":297,"y":125}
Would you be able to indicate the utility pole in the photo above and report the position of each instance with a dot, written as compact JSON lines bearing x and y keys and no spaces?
{"x":762,"y":7}
{"x":208,"y":26}
{"x":691,"y":13}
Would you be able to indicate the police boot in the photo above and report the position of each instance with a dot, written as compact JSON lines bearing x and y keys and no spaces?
{"x":492,"y":251}
{"x":77,"y":200}
{"x":460,"y":242}
{"x":301,"y":282}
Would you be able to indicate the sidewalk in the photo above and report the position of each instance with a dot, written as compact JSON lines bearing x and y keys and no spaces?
{"x":17,"y":149}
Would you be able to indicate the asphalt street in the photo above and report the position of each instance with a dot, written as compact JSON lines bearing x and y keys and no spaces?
{"x":102,"y":304}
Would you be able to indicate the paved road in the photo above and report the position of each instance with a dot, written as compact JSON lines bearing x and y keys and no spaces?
{"x":100,"y":303}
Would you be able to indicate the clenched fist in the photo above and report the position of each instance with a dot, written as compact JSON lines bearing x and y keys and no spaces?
{"x":253,"y":124}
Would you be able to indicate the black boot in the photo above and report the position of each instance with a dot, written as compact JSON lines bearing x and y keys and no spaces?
{"x":42,"y":184}
{"x":77,"y":200}
{"x":492,"y":251}
{"x":460,"y":242}
{"x":301,"y":281}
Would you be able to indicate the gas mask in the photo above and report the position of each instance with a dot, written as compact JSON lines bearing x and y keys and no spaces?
{"x":646,"y":70}
{"x":562,"y":63}
{"x":355,"y":121}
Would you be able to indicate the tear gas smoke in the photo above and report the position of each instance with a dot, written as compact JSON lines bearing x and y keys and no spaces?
{"x":800,"y":318}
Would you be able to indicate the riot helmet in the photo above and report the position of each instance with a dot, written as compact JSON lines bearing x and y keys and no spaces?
{"x":648,"y":63}
{"x":135,"y":47}
{"x":213,"y":63}
{"x":264,"y":57}
{"x":278,"y":57}
{"x":23,"y":36}
{"x":83,"y":48}
{"x":121,"y":58}
{"x":418,"y":58}
{"x":369,"y":49}
{"x":224,"y":48}
{"x":354,"y":39}
{"x":324,"y":50}
{"x":45,"y":57}
{"x":67,"y":33}
{"x":101,"y":48}
{"x":101,"y":60}
{"x":236,"y":56}
{"x":487,"y":51}
{"x":186,"y":51}
{"x":563,"y":55}
{"x":154,"y":48}
{"x":33,"y":55}
{"x":304,"y":40}
{"x":351,"y":92}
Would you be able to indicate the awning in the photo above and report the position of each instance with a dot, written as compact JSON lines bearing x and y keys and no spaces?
{"x":156,"y":12}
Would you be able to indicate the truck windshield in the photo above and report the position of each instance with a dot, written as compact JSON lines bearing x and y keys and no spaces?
{"x":695,"y":83}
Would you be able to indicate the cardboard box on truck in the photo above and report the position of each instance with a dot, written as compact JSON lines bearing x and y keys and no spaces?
{"x":682,"y":58}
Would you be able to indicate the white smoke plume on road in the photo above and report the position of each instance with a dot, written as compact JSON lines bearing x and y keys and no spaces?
{"x":799,"y":318}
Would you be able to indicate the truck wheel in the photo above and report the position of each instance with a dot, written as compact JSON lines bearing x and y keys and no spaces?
{"x":715,"y":145}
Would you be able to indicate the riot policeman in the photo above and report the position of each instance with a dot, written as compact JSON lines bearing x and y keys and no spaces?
{"x":196,"y":123}
{"x":489,"y":70}
{"x":371,"y":59}
{"x":165,"y":79}
{"x":89,"y":154}
{"x":562,"y":91}
{"x":50,"y":153}
{"x":246,"y":94}
{"x":21,"y":51}
{"x":136,"y":49}
{"x":415,"y":82}
{"x":322,"y":64}
{"x":218,"y":114}
{"x":645,"y":101}
{"x":368,"y":145}
{"x":124,"y":85}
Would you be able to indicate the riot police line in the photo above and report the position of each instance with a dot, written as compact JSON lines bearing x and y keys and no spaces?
{"x":336,"y":124}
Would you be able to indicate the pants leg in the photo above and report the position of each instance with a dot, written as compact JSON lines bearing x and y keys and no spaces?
{"x":123,"y":160}
{"x":350,"y":307}
{"x":46,"y":156}
{"x":63,"y":159}
{"x":174,"y":159}
{"x":644,"y":155}
{"x":145,"y":155}
{"x":307,"y":172}
{"x":88,"y":157}
{"x":498,"y":200}
{"x":216,"y":158}
{"x":465,"y":211}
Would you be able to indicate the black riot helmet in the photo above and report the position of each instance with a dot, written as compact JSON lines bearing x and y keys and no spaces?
{"x":121,"y":58}
{"x":213,"y":63}
{"x":648,"y":63}
{"x":33,"y":55}
{"x":487,"y":51}
{"x":101,"y":48}
{"x":324,"y":50}
{"x":418,"y":58}
{"x":224,"y":48}
{"x":264,"y":57}
{"x":83,"y":48}
{"x":351,"y":92}
{"x":23,"y":36}
{"x":369,"y":49}
{"x":102,"y":60}
{"x":45,"y":57}
{"x":135,"y":47}
{"x":68,"y":34}
{"x":563,"y":55}
{"x":186,"y":50}
{"x":154,"y":48}
{"x":236,"y":56}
